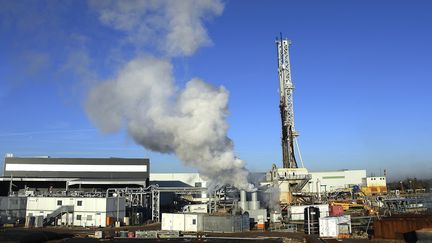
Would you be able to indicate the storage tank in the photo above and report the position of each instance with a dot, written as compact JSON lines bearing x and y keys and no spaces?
{"x":311,"y":220}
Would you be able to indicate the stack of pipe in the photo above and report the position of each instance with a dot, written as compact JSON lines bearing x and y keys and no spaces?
{"x":243,"y":203}
{"x":254,"y":204}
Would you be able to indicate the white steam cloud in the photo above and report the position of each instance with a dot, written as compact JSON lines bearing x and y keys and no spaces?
{"x":189,"y":122}
{"x":175,"y":27}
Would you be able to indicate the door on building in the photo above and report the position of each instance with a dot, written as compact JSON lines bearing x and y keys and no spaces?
{"x":98,"y":219}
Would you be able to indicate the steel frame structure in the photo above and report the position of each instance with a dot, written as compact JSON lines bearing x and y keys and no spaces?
{"x":286,"y":106}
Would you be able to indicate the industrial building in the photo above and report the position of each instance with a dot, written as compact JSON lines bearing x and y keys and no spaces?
{"x":77,"y":211}
{"x":74,"y":191}
{"x":328,"y":181}
{"x":46,"y":174}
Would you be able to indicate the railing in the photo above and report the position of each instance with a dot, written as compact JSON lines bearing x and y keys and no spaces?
{"x":295,"y":177}
{"x":59,"y":211}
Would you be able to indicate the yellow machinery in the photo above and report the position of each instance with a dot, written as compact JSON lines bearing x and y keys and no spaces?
{"x":374,"y":190}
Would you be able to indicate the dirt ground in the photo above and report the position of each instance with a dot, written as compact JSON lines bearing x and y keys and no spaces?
{"x":79,"y":234}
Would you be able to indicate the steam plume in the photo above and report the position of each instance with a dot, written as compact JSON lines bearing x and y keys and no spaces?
{"x":176,"y":28}
{"x":190,"y":123}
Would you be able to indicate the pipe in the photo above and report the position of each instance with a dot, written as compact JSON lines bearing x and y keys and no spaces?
{"x":254,"y":196}
{"x":243,"y":203}
{"x":242,"y":196}
{"x":254,"y":204}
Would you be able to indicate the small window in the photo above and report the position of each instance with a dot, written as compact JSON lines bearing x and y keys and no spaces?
{"x":89,"y":217}
{"x":194,"y":221}
{"x":198,"y":184}
{"x":59,"y":202}
{"x":78,"y":217}
{"x":79,"y":203}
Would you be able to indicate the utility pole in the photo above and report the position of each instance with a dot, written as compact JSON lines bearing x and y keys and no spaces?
{"x":286,"y":106}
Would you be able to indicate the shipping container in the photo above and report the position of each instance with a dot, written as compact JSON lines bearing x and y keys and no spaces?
{"x":336,"y":227}
{"x":297,"y":212}
{"x":396,"y":226}
{"x":336,"y":210}
{"x":228,"y":223}
{"x":173,"y":222}
{"x":202,"y":222}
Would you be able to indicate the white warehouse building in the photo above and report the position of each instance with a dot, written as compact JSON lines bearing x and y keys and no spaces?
{"x":328,"y":181}
{"x":76,"y":211}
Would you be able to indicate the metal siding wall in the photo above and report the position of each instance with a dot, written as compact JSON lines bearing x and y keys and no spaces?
{"x":12,"y":206}
{"x":111,"y":207}
{"x":232,"y":223}
{"x":395,"y":227}
{"x":351,"y":177}
{"x":78,"y":161}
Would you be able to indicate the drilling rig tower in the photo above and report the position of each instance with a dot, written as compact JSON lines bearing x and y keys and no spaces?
{"x":286,"y":105}
{"x":290,"y":179}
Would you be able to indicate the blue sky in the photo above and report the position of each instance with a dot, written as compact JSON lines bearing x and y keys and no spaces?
{"x":362,"y":72}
